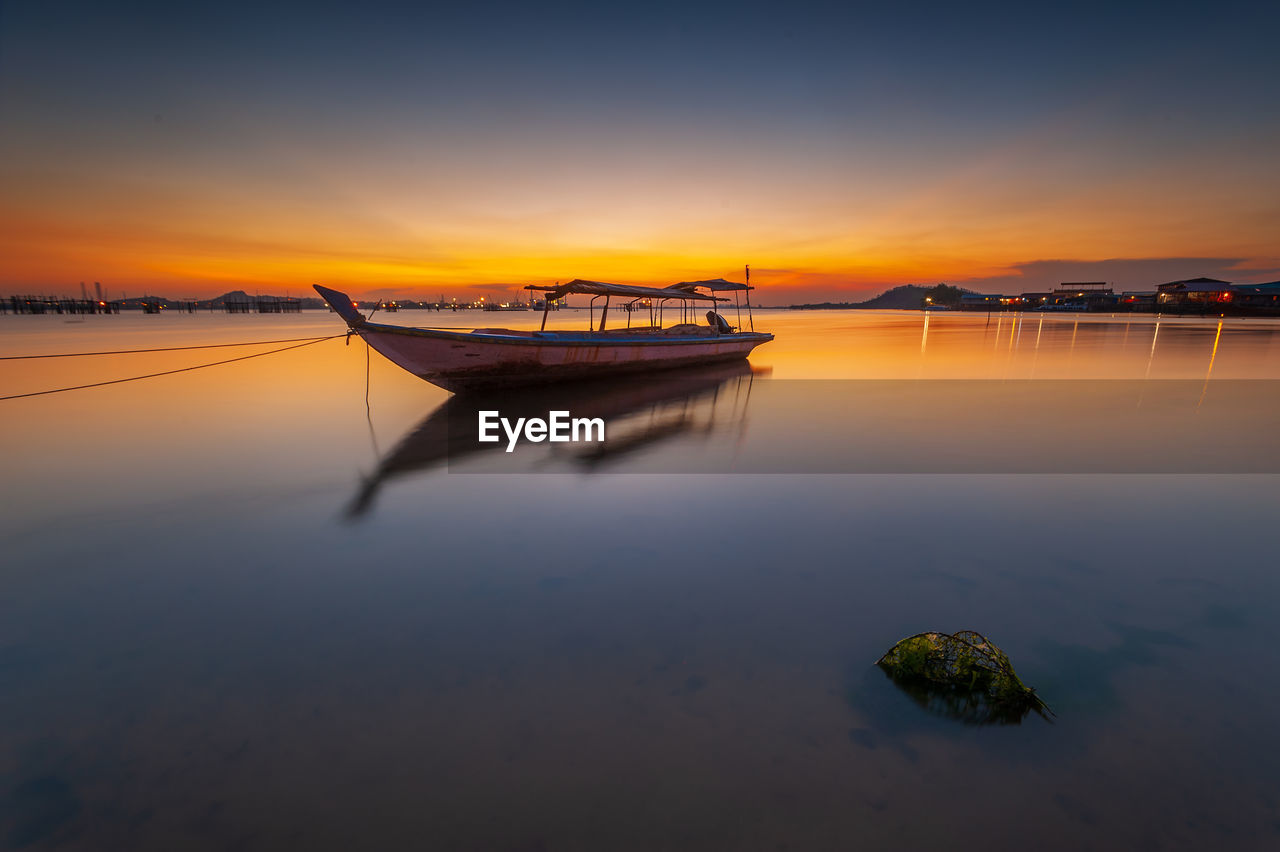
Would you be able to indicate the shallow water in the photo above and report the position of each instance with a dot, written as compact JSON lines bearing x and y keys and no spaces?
{"x":242,"y":609}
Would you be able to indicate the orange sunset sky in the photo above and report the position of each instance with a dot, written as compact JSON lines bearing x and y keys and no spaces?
{"x":191,"y":153}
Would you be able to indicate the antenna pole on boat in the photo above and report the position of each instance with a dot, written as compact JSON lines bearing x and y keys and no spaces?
{"x":750,"y":318}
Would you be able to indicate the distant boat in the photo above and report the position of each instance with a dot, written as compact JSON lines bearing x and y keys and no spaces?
{"x":501,"y":357}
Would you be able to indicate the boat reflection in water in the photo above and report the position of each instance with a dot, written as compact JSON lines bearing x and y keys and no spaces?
{"x":641,"y":413}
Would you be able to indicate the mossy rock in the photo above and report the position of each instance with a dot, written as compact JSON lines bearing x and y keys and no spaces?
{"x":965,"y":671}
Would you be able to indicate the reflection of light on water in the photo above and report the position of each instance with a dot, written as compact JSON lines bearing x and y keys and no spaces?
{"x":1212,"y":357}
{"x":1150,"y":358}
{"x":1035,"y":355}
{"x":1008,"y":361}
{"x":924,"y":342}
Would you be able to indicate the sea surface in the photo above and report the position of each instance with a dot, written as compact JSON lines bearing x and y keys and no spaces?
{"x":286,"y":602}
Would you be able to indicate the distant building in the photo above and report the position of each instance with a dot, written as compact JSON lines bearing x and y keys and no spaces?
{"x":1137,"y":300}
{"x":1083,"y":296}
{"x":1194,"y":294}
{"x":980,"y":302}
{"x":1080,"y":288}
{"x":1259,"y":297}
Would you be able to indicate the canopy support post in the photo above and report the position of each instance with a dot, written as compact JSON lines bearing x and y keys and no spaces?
{"x":546,"y":308}
{"x":604,"y":312}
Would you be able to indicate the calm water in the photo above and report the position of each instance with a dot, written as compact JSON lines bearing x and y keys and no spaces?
{"x":242,"y":609}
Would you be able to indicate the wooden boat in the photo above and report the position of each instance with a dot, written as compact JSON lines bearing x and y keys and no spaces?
{"x":502,"y":357}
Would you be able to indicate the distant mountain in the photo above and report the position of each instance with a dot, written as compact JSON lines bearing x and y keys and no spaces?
{"x":904,"y":297}
{"x":236,"y":296}
{"x":239,"y":296}
{"x":899,"y":298}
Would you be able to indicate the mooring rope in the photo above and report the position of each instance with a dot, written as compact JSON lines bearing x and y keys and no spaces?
{"x":162,"y":349}
{"x":309,"y":342}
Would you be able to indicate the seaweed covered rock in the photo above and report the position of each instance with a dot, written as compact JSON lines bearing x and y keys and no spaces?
{"x":963,"y":675}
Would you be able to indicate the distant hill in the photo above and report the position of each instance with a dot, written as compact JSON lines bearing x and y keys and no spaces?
{"x":904,"y":297}
{"x":236,"y":296}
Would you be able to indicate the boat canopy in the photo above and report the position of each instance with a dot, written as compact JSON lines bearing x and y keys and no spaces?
{"x":712,"y":284}
{"x":600,"y":288}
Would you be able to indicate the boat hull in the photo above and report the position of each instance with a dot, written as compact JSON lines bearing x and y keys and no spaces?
{"x":478,"y":360}
{"x":499,"y":357}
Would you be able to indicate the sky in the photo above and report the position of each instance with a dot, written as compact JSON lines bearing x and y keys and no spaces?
{"x":187,"y":149}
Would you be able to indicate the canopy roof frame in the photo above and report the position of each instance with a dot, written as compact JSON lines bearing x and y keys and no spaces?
{"x":685,"y":291}
{"x":601,"y":288}
{"x":712,"y":284}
